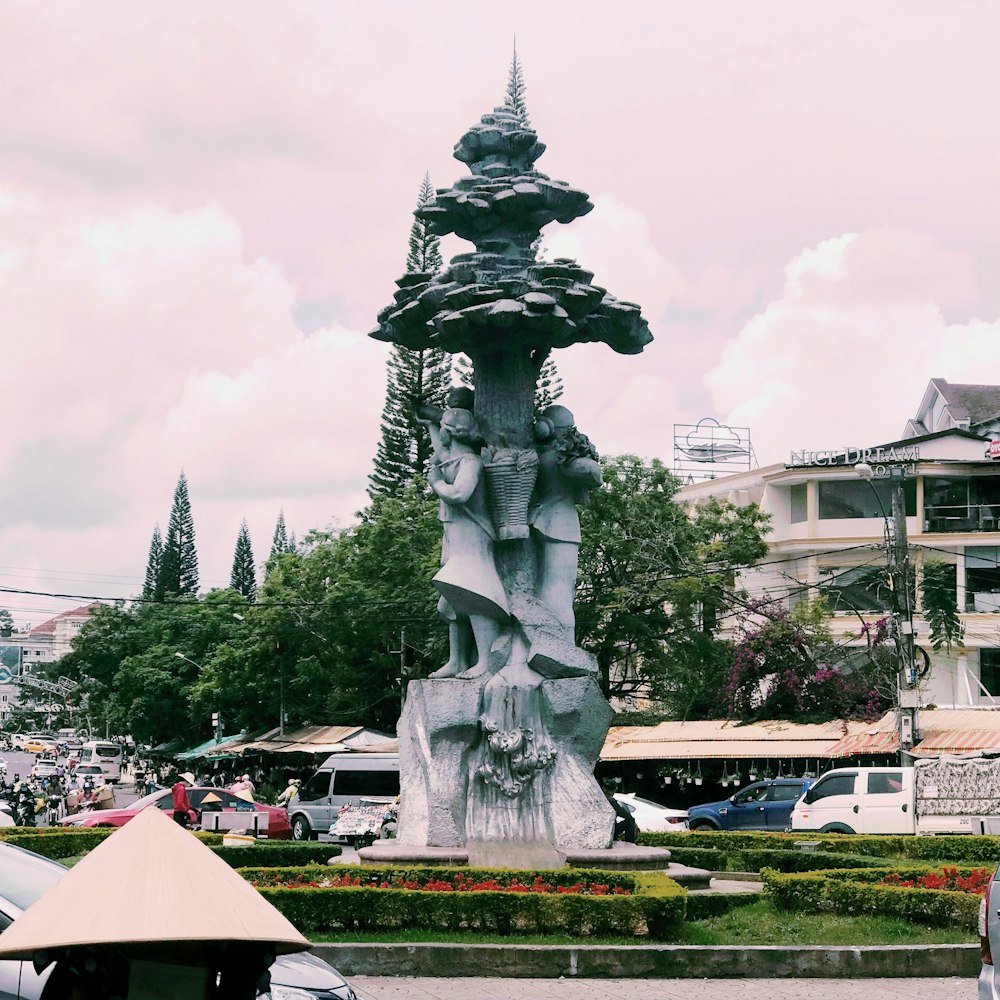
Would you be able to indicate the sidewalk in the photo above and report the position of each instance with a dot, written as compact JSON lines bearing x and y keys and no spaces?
{"x":372,"y":988}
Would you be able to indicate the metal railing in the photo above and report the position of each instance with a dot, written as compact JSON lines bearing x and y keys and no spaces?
{"x":962,"y":517}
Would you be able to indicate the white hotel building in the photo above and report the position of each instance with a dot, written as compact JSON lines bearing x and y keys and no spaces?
{"x":827,"y":532}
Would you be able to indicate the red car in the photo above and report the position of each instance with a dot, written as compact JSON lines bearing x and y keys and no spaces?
{"x":278,"y":827}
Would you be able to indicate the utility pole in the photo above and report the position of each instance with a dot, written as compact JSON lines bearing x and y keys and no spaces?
{"x":899,"y":562}
{"x":402,"y":667}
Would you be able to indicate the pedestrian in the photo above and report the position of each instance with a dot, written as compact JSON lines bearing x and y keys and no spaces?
{"x":290,"y":794}
{"x":151,"y":782}
{"x":181,"y":802}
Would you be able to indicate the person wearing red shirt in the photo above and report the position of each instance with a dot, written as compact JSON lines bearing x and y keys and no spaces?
{"x":181,"y":803}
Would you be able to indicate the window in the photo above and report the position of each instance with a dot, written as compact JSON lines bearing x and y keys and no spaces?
{"x":800,"y":511}
{"x":989,"y":670}
{"x":855,"y":588}
{"x":317,"y":787}
{"x":785,"y":793}
{"x":836,"y":784}
{"x":844,"y":498}
{"x":366,"y":783}
{"x":885,"y":782}
{"x":755,"y":793}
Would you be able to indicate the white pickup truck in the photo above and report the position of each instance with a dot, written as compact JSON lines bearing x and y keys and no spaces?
{"x":936,"y":795}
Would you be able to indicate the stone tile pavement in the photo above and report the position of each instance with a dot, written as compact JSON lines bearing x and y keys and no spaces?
{"x":384,"y":988}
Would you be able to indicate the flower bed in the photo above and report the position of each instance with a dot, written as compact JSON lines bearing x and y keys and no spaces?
{"x":917,"y":894}
{"x":458,"y":882}
{"x":570,"y":901}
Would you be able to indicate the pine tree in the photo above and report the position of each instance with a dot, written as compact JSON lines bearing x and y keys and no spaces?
{"x":279,"y":542}
{"x":243,"y":577}
{"x":514,"y":99}
{"x":412,"y":378}
{"x":179,"y":564}
{"x":549,"y":386}
{"x":154,"y":564}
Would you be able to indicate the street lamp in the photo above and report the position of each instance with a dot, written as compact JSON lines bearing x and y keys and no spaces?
{"x":898,"y":563}
{"x":216,"y":716}
{"x":281,"y":677}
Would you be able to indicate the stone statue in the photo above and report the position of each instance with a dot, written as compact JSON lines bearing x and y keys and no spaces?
{"x":500,"y":746}
{"x":568,"y":470}
{"x":472,"y":596}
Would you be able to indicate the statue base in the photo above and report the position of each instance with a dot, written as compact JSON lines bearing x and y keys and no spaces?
{"x":442,"y":793}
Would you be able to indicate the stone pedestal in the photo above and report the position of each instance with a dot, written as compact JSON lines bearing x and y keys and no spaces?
{"x":439,"y":750}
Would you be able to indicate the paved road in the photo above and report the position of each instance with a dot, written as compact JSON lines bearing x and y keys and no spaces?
{"x":380,"y":988}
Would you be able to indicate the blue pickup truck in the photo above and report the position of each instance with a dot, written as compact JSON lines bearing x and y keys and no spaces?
{"x":764,"y":805}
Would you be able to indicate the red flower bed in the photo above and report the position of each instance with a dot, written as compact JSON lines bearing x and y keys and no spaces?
{"x":948,"y":878}
{"x":453,"y":883}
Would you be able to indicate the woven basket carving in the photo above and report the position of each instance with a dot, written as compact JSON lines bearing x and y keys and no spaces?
{"x":510,"y":480}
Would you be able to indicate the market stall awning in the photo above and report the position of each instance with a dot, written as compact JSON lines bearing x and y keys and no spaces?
{"x":209,"y":745}
{"x":855,"y":744}
{"x":957,"y":741}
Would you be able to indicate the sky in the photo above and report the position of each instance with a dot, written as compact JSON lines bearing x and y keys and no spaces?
{"x":204,"y":206}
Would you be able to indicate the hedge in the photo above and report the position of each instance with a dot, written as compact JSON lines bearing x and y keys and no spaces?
{"x":68,"y":842}
{"x":802,"y":861}
{"x":859,"y":893}
{"x":277,"y":854}
{"x":703,"y":905}
{"x":656,"y":906}
{"x":700,"y":857}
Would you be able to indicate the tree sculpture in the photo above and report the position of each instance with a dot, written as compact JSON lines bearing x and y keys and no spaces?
{"x":501,"y":745}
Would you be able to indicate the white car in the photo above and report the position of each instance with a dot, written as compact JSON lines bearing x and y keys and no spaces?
{"x":650,"y":816}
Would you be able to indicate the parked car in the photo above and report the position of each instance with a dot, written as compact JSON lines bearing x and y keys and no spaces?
{"x":989,"y":939}
{"x":650,"y":816}
{"x":24,"y":877}
{"x":764,"y":805}
{"x":278,"y":827}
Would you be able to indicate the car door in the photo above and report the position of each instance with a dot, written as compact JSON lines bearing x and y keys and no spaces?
{"x":885,"y":804}
{"x":314,"y":800}
{"x":746,"y":808}
{"x":832,"y":800}
{"x":781,"y":799}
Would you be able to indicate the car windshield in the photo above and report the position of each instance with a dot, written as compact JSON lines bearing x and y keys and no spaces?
{"x":25,"y":876}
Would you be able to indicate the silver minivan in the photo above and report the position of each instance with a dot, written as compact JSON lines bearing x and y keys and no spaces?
{"x":343,"y":779}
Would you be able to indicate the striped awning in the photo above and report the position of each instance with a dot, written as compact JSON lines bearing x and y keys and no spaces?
{"x":957,"y":741}
{"x":864,"y":743}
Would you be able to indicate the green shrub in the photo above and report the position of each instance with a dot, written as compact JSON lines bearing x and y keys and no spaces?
{"x":277,"y":854}
{"x":860,"y":893}
{"x":972,"y":850}
{"x":702,"y":905}
{"x":57,"y":842}
{"x":700,"y":857}
{"x":801,"y":861}
{"x":656,"y":906}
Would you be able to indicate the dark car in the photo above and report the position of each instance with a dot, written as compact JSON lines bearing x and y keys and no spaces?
{"x":764,"y":805}
{"x":24,"y":877}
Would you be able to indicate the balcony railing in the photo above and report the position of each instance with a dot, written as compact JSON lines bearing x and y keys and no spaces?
{"x":963,"y":517}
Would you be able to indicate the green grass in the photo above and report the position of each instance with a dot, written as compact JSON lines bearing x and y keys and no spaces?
{"x":757,"y":923}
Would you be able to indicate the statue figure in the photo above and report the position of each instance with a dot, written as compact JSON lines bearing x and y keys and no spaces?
{"x":472,"y":596}
{"x":568,"y":470}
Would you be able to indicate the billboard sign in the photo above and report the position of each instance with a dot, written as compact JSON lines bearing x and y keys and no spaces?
{"x":10,"y":659}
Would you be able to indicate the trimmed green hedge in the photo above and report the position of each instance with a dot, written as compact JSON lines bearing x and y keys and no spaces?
{"x":802,"y":861}
{"x":956,"y":848}
{"x":656,"y":906}
{"x":277,"y":854}
{"x":68,"y":842}
{"x":703,"y":905}
{"x":700,"y":857}
{"x":859,"y":893}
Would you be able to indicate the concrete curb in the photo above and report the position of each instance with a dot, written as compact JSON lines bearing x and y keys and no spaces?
{"x":652,"y":961}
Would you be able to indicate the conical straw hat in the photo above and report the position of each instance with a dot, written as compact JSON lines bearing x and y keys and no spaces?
{"x":150,"y":881}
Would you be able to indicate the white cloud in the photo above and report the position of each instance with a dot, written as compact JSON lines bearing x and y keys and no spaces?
{"x":843,"y":355}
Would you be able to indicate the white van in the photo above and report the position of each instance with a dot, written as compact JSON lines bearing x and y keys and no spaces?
{"x":342,"y":779}
{"x":107,"y":755}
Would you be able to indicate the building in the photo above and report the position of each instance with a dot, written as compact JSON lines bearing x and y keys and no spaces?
{"x":828,"y":529}
{"x":22,"y":651}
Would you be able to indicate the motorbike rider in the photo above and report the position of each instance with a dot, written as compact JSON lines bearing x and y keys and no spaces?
{"x":290,"y":794}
